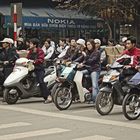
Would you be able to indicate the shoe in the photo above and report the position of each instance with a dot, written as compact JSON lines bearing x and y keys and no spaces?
{"x":47,"y":101}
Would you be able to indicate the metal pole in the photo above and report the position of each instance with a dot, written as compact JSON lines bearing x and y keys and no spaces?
{"x":15,"y":25}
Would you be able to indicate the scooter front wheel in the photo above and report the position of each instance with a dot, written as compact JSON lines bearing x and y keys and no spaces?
{"x":131,"y":107}
{"x":104,"y":103}
{"x":63,"y":98}
{"x":10,"y":95}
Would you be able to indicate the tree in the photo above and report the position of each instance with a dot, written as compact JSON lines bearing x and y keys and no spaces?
{"x":110,"y":10}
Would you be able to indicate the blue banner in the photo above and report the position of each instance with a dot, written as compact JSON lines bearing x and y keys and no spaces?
{"x":46,"y":22}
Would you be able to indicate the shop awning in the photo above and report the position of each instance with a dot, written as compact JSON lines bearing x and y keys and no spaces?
{"x":46,"y":17}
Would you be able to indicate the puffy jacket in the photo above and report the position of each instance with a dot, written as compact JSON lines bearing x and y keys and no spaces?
{"x":133,"y":52}
{"x":93,"y":60}
{"x":10,"y":55}
{"x":38,"y":58}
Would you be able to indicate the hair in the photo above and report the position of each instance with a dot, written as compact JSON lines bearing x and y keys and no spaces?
{"x":112,"y":41}
{"x":49,"y":41}
{"x":35,"y":41}
{"x":132,"y":39}
{"x":72,"y":38}
{"x":92,"y":43}
{"x":63,"y":40}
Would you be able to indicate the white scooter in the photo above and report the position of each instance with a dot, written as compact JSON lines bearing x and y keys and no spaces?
{"x":21,"y":82}
{"x":72,"y":85}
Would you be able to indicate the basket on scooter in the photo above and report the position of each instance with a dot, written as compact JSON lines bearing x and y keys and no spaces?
{"x":67,"y":74}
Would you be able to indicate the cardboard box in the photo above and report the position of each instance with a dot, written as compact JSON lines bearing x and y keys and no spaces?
{"x":112,"y":58}
{"x":113,"y":52}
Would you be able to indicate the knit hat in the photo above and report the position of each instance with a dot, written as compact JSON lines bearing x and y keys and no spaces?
{"x":20,"y":39}
{"x":124,"y":39}
{"x":81,"y":42}
{"x":97,"y":41}
{"x":7,"y":40}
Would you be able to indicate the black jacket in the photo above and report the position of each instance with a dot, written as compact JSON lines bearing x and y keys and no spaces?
{"x":93,"y":60}
{"x":10,"y":55}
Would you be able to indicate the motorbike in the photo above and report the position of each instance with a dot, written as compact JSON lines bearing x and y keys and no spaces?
{"x":131,"y":102}
{"x":22,"y":81}
{"x":72,"y":85}
{"x":113,"y":89}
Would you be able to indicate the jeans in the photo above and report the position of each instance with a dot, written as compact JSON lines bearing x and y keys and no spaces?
{"x":94,"y":78}
{"x":95,"y":88}
{"x":40,"y":79}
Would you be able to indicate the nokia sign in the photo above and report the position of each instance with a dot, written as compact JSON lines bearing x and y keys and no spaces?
{"x":61,"y":21}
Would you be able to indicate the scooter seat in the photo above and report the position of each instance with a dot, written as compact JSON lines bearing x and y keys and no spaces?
{"x":48,"y":71}
{"x":102,"y":73}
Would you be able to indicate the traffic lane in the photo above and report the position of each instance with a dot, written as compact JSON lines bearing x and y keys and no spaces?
{"x":83,"y":109}
{"x":77,"y":128}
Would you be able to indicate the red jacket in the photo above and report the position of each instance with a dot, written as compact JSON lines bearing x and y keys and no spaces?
{"x":133,"y":52}
{"x":37,"y":56}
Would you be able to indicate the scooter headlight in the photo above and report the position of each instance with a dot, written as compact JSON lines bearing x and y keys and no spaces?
{"x":114,"y":77}
{"x":61,"y":79}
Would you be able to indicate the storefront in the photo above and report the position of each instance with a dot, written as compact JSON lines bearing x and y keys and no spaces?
{"x":38,"y":25}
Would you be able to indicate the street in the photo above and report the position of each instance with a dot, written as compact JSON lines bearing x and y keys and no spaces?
{"x":30,"y":119}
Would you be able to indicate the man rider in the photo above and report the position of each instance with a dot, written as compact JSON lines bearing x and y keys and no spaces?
{"x":132,"y":50}
{"x":8,"y":55}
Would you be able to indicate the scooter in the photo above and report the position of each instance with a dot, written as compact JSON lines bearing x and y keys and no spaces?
{"x":113,"y":90}
{"x":72,"y":85}
{"x":21,"y":82}
{"x":131,"y":102}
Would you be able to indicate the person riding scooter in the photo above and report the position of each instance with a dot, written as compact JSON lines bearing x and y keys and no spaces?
{"x":37,"y":55}
{"x":134,"y":52}
{"x":93,"y":61}
{"x":8,"y":56}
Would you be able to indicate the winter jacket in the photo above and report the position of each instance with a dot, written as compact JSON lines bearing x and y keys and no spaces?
{"x":133,"y":52}
{"x":93,"y":60}
{"x":38,"y":58}
{"x":10,"y":55}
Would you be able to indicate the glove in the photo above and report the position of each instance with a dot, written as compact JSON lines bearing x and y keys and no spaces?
{"x":5,"y":62}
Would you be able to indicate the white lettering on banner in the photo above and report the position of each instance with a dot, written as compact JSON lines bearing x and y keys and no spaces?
{"x":44,"y":25}
{"x":71,"y":22}
{"x":62,"y":26}
{"x":53,"y":25}
{"x":36,"y":24}
{"x":71,"y":26}
{"x":27,"y":24}
{"x":61,"y":21}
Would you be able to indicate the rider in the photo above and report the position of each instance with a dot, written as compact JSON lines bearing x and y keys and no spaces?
{"x":92,"y":60}
{"x":103,"y":58}
{"x":37,"y":55}
{"x":72,"y":52}
{"x":8,"y":55}
{"x":81,"y":47}
{"x":62,"y":48}
{"x":132,"y":50}
{"x":48,"y":49}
